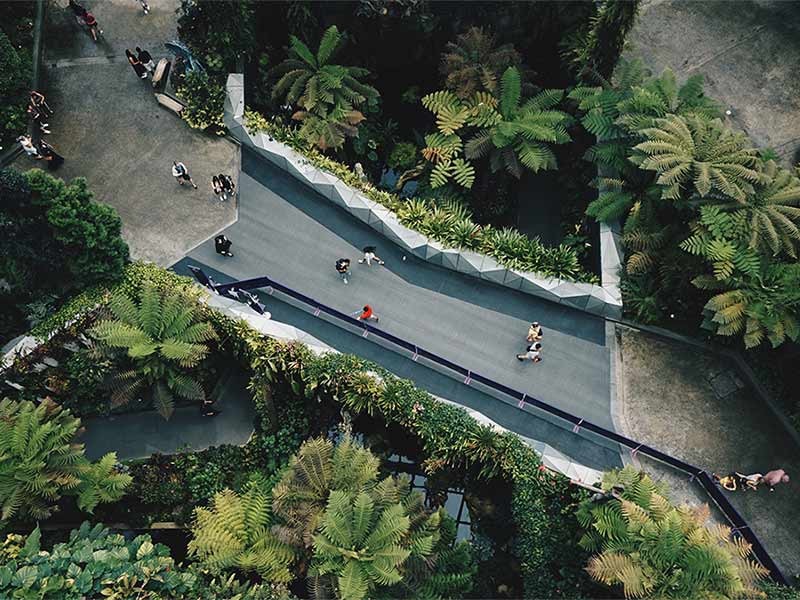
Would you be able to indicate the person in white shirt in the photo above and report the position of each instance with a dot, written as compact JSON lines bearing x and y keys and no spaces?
{"x":181,"y":173}
{"x":532,"y":353}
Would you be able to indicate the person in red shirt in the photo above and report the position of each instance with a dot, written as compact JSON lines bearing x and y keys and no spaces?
{"x":367,"y":314}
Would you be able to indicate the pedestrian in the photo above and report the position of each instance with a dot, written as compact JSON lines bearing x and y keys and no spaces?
{"x":207,"y":410}
{"x":774,"y":477}
{"x":37,"y":116}
{"x":343,"y":268}
{"x":37,"y":100}
{"x":227,"y":186}
{"x":367,"y":314}
{"x":137,"y":65}
{"x":223,"y":245}
{"x":217,"y":187}
{"x":145,"y":6}
{"x":534,"y":332}
{"x":181,"y":173}
{"x":369,"y":256}
{"x":91,"y":23}
{"x":146,"y":60}
{"x":48,"y":153}
{"x":532,"y":353}
{"x":27,"y":145}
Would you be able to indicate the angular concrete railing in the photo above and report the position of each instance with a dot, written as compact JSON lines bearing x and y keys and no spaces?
{"x":604,"y":300}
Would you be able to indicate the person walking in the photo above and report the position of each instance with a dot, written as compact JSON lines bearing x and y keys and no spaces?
{"x":532,"y":353}
{"x":217,"y":187}
{"x":369,"y":256}
{"x":27,"y":145}
{"x":223,"y":245}
{"x":147,"y":61}
{"x":92,"y":24}
{"x":37,"y":100}
{"x":145,"y":6}
{"x":38,"y":117}
{"x":181,"y":173}
{"x":367,"y":314}
{"x":534,"y":332}
{"x":228,"y":186}
{"x":774,"y":477}
{"x":137,"y":65}
{"x":343,"y":268}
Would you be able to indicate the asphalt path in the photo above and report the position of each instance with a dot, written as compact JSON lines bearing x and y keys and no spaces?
{"x":293,"y":235}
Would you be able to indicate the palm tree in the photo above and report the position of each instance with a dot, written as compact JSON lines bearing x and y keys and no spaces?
{"x":656,"y":550}
{"x":698,"y":152}
{"x":313,"y":83}
{"x":40,"y":460}
{"x":472,"y":63}
{"x":520,"y":134}
{"x":234,"y":533}
{"x":161,"y":337}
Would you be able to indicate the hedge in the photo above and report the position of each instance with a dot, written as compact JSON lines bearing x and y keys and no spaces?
{"x":448,"y":224}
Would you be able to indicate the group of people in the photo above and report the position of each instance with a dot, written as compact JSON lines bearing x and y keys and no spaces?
{"x":40,"y":112}
{"x":223,"y":186}
{"x":343,"y":264}
{"x":141,"y":62}
{"x":738,"y":481}
{"x":533,"y":351}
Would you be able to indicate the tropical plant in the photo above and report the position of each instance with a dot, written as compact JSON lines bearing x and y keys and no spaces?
{"x":596,"y":50}
{"x":161,"y":337}
{"x":312,"y":82}
{"x":94,"y":564}
{"x":772,"y":211}
{"x":40,"y":460}
{"x":402,"y":157}
{"x":698,"y":152}
{"x":473,"y":63}
{"x":219,"y":33}
{"x":329,"y":129}
{"x":234,"y":533}
{"x":205,"y":101}
{"x":656,"y":550}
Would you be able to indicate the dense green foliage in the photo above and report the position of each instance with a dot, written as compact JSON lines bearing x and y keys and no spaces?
{"x":56,"y":240}
{"x":219,"y":33}
{"x":654,"y":549}
{"x":155,"y":340}
{"x":95,"y":563}
{"x":40,"y":461}
{"x":15,"y":75}
{"x":710,"y":225}
{"x":204,"y":98}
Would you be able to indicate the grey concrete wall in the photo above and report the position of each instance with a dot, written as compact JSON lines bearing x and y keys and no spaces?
{"x":604,"y":299}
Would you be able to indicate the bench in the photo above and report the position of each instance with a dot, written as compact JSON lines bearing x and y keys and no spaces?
{"x":169,"y":102}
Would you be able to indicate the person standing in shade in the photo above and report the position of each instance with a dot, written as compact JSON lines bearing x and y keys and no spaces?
{"x":535,"y":332}
{"x":181,"y":173}
{"x":532,"y":353}
{"x":48,"y":153}
{"x":137,"y":65}
{"x":207,"y":408}
{"x":369,"y":256}
{"x":367,"y":314}
{"x":38,"y":117}
{"x":223,"y":245}
{"x":38,"y":101}
{"x":343,"y":268}
{"x":146,"y":60}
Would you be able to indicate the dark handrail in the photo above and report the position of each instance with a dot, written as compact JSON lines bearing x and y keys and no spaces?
{"x":740,"y":526}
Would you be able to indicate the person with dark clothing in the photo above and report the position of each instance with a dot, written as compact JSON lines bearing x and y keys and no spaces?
{"x":48,"y":153}
{"x":217,"y":187}
{"x":207,"y":409}
{"x":223,"y":245}
{"x":37,"y":100}
{"x":146,"y":60}
{"x":369,"y":256}
{"x":343,"y":268}
{"x":137,"y":65}
{"x":38,"y":117}
{"x":227,"y":186}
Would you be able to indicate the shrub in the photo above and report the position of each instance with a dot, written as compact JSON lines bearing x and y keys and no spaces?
{"x":15,"y":74}
{"x":205,"y":102}
{"x":403,"y":156}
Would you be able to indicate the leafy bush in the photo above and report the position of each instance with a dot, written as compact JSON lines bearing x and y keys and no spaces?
{"x":15,"y":74}
{"x":403,"y":156}
{"x":204,"y":98}
{"x":219,"y":33}
{"x":39,"y":443}
{"x":443,"y":223}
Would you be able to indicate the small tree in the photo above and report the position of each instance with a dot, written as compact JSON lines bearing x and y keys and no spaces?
{"x":161,"y":338}
{"x":205,"y":102}
{"x":218,"y":32}
{"x":654,"y":549}
{"x":40,"y":460}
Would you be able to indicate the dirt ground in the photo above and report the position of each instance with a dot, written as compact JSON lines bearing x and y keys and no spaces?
{"x":692,"y":405}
